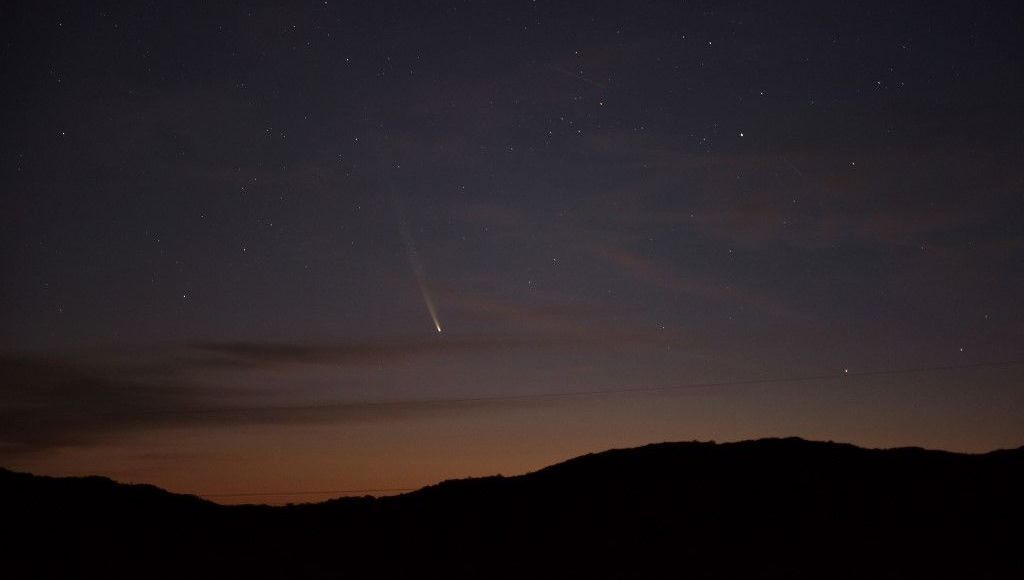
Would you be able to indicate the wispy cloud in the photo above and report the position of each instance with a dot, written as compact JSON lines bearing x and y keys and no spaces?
{"x":701,"y":286}
{"x":49,"y":402}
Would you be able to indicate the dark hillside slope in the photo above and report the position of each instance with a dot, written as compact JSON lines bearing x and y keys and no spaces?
{"x":775,"y":508}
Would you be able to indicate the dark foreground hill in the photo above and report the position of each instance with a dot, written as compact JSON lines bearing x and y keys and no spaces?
{"x":775,"y":508}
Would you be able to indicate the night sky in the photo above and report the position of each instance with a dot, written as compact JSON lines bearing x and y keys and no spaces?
{"x":226,"y":231}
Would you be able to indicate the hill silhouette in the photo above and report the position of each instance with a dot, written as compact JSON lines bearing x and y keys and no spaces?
{"x":772,"y":508}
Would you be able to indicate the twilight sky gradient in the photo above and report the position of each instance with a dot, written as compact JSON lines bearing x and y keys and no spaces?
{"x":215,"y":222}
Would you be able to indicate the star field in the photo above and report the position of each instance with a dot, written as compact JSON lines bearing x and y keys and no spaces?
{"x":232,"y":233}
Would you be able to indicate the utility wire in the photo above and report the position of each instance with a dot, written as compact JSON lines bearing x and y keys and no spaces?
{"x":734,"y":383}
{"x":322,"y":492}
{"x":843,"y":375}
{"x":352,"y":405}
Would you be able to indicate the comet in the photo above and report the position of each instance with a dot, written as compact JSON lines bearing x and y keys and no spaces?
{"x":408,"y":241}
{"x":417,"y":266}
{"x":414,"y":258}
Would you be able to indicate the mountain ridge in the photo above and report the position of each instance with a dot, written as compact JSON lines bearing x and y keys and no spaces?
{"x":103,"y":480}
{"x":780,"y":507}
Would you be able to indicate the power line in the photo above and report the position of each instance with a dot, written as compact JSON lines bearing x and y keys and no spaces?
{"x":549,"y":395}
{"x":845,"y":374}
{"x":321,"y":492}
{"x":842,"y":375}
